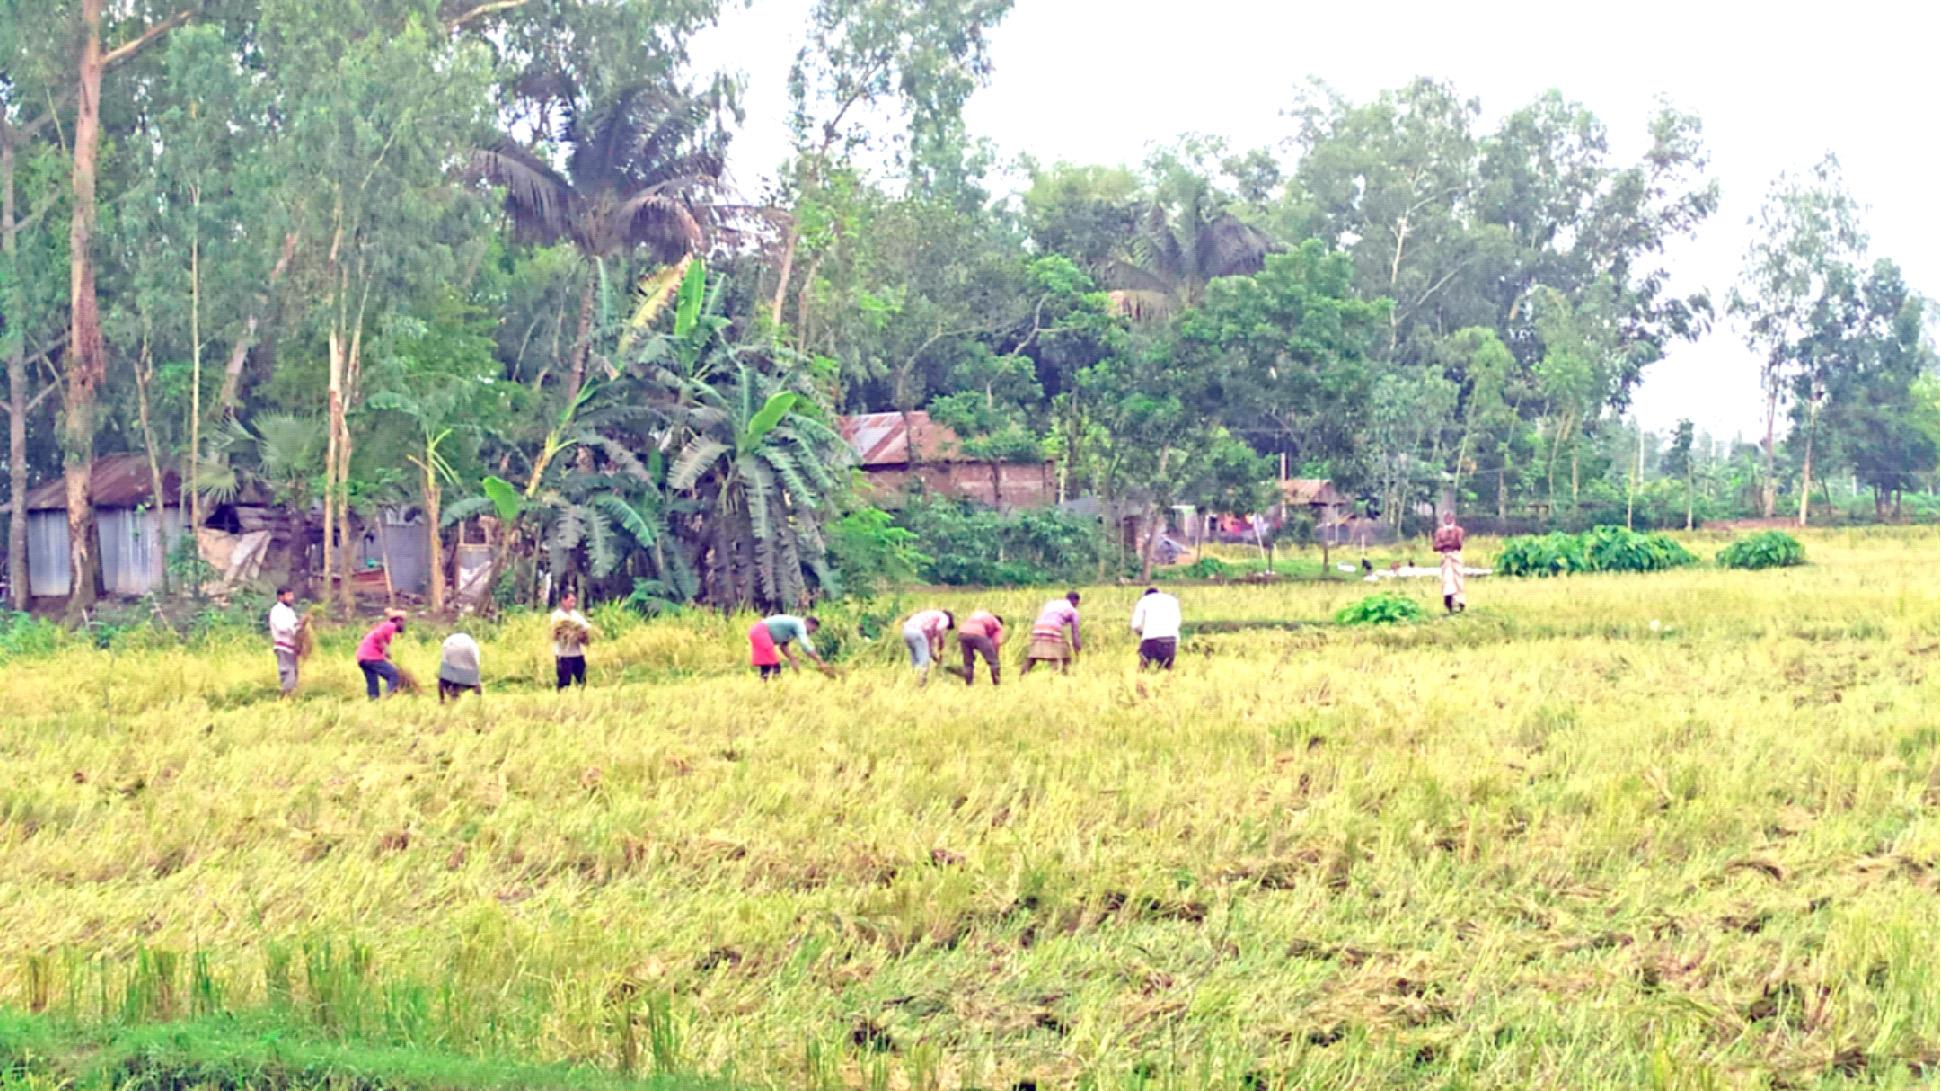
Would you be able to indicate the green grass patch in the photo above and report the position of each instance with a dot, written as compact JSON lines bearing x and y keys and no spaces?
{"x":220,"y":1054}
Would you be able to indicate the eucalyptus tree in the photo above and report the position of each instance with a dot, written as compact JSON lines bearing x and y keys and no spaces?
{"x":1808,"y":249}
{"x":375,"y":103}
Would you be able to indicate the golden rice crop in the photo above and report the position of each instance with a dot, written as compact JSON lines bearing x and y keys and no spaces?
{"x":1616,"y":831}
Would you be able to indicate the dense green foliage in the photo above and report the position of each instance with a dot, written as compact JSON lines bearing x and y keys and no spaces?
{"x":1600,"y":549}
{"x":969,"y":545}
{"x":1767,"y":549}
{"x":1382,"y":608}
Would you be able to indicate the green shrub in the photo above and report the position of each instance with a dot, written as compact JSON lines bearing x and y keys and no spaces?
{"x":23,"y":636}
{"x":1205,"y":568}
{"x":1385,"y":608}
{"x":871,"y":554}
{"x":1766,"y":549}
{"x":1600,"y":549}
{"x":971,"y":545}
{"x":1553,"y":554}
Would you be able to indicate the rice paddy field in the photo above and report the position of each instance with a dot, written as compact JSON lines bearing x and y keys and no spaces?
{"x":1674,"y":830}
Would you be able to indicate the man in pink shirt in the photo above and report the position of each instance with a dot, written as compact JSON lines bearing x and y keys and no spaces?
{"x":980,"y":634}
{"x":374,"y":655}
{"x":1048,"y":635}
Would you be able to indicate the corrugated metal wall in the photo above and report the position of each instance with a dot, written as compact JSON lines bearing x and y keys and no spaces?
{"x":405,"y":546}
{"x":134,"y":548}
{"x":47,"y":571}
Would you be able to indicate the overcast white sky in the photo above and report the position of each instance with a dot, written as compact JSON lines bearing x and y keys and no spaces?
{"x":1777,"y":85}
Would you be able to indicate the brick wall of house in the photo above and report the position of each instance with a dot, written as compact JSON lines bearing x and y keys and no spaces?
{"x":1013,"y":485}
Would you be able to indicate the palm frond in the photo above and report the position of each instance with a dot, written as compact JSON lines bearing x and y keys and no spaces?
{"x":628,"y":518}
{"x":538,"y":199}
{"x":601,"y":557}
{"x":465,"y":507}
{"x":569,"y":529}
{"x":694,"y":461}
{"x":664,"y":225}
{"x":1229,"y":246}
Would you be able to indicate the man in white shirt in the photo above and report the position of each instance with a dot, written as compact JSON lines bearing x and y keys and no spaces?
{"x":283,"y":639}
{"x":1156,"y":620}
{"x":571,"y":631}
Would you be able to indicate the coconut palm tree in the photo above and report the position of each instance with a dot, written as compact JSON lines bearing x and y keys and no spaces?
{"x":1180,"y":245}
{"x":640,"y":174}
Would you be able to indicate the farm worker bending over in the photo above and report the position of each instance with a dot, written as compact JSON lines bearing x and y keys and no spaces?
{"x":571,"y":631}
{"x":980,"y":634}
{"x":283,"y":638}
{"x":458,"y":667}
{"x":374,"y":655}
{"x":1048,"y":635}
{"x":1156,"y":620}
{"x":923,"y":634}
{"x":1448,"y":542}
{"x":773,"y":635}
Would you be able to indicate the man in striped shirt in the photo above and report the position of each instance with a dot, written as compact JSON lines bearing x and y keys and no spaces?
{"x":1048,"y":644}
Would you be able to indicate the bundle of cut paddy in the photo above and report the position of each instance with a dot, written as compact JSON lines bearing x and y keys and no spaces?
{"x":306,"y":638}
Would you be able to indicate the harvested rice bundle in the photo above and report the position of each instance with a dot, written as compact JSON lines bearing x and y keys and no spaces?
{"x":306,"y":637}
{"x":568,"y":631}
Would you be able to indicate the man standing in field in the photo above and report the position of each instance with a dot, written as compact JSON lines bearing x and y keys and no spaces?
{"x":1156,"y":620}
{"x":770,"y":639}
{"x":923,"y":635}
{"x":980,"y":634}
{"x":1448,"y":542}
{"x":1048,"y":643}
{"x":458,"y":667}
{"x":284,"y":623}
{"x":571,"y":631}
{"x":374,"y":655}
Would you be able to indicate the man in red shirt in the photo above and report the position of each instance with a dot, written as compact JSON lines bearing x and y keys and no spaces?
{"x":1448,"y":542}
{"x":374,"y":655}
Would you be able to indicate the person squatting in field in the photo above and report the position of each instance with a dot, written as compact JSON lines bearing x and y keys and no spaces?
{"x":770,"y":639}
{"x":374,"y":655}
{"x":923,"y":635}
{"x":571,"y":631}
{"x":458,"y":667}
{"x":1048,"y":643}
{"x":980,"y":635}
{"x":284,"y":623}
{"x":1448,"y":542}
{"x":1156,"y":620}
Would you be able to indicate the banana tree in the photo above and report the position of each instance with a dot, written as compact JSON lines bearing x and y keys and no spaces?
{"x":762,"y":464}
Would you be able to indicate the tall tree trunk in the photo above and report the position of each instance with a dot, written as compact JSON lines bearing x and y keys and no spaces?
{"x":17,"y":585}
{"x":1154,"y":520}
{"x":1631,"y":483}
{"x":1806,"y":466}
{"x":435,"y":546}
{"x":783,"y":270}
{"x":232,"y":372}
{"x":583,"y":341}
{"x":1688,"y":492}
{"x":144,"y":368}
{"x":1503,"y":490}
{"x":1768,"y":495}
{"x":87,"y":355}
{"x":194,"y":478}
